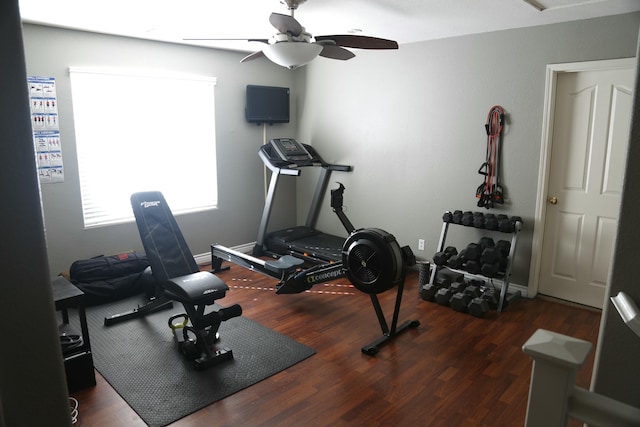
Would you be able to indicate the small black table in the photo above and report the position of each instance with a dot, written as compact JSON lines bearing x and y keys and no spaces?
{"x":78,"y":362}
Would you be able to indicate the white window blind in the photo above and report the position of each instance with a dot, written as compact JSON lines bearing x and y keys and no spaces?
{"x":143,"y":131}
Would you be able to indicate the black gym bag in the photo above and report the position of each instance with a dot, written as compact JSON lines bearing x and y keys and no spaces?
{"x":110,"y":278}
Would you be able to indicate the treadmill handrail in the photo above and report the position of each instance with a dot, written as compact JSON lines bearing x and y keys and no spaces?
{"x":277,"y":169}
{"x":339,"y":168}
{"x":284,"y":167}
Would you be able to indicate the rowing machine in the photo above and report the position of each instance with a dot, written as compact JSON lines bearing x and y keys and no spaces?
{"x":372,"y":260}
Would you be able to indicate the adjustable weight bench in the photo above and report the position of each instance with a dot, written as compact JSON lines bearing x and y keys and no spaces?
{"x":179,"y":279}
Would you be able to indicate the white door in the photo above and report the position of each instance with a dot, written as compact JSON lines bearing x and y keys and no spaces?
{"x":588,"y":153}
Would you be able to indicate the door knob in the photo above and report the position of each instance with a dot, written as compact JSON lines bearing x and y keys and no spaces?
{"x":553,"y":200}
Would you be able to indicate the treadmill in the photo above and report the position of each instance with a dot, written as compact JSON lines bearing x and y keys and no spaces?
{"x":287,"y":156}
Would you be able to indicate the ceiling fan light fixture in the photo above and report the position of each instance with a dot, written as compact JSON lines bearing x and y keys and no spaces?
{"x":292,"y":54}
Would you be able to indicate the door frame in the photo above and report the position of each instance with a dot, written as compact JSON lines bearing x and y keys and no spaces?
{"x":553,"y":70}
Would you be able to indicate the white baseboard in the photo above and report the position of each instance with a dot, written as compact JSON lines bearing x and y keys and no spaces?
{"x":524,"y":291}
{"x":205,"y":258}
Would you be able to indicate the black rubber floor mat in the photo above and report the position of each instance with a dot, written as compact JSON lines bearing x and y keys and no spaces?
{"x":139,"y":358}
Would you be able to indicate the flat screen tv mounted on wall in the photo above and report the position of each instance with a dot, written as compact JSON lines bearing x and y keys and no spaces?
{"x":267,"y":104}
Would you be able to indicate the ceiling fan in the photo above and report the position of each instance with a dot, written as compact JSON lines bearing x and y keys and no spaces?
{"x":292,"y":46}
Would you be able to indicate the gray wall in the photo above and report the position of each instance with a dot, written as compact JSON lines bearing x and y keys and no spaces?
{"x":51,"y":51}
{"x":412,"y":123}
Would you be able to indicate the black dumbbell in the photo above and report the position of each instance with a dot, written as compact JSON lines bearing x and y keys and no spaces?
{"x":451,"y":276}
{"x":478,"y":307}
{"x":473,"y":266}
{"x":472,"y":254}
{"x":457,"y":217}
{"x":504,"y":224}
{"x":492,"y":297}
{"x":443,"y":295}
{"x":428,"y":291}
{"x":491,"y":255}
{"x":457,"y":261}
{"x":490,"y":269}
{"x":473,"y":291}
{"x":492,"y":259}
{"x":504,"y":246}
{"x":440,"y":258}
{"x":447,"y":217}
{"x":460,"y":301}
{"x":490,"y":222}
{"x":443,"y":279}
{"x":467,"y":218}
{"x":478,"y":220}
{"x":473,"y":251}
{"x":458,"y":286}
{"x":486,"y":242}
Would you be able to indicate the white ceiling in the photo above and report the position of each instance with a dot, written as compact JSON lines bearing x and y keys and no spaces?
{"x":405,"y":21}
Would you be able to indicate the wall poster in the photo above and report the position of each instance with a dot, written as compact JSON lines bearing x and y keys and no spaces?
{"x":46,"y":132}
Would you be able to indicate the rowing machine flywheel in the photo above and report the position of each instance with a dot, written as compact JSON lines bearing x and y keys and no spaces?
{"x":373,"y":260}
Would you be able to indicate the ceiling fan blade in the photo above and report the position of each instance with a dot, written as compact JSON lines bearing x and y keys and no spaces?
{"x":254,"y":55}
{"x":244,"y":40}
{"x":360,"y":42}
{"x":336,"y":52}
{"x":285,"y":24}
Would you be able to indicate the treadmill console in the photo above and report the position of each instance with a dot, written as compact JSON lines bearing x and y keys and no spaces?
{"x":290,"y":150}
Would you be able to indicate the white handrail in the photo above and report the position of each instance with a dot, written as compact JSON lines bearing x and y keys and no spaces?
{"x":553,"y":395}
{"x":598,"y":410}
{"x":628,"y":310}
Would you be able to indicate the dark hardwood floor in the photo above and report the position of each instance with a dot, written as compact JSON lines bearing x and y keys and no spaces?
{"x":453,"y":370}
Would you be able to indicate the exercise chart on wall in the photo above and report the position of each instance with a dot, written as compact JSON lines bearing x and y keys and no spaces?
{"x":46,"y":132}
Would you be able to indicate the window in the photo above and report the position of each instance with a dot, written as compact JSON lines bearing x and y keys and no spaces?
{"x":143,"y":131}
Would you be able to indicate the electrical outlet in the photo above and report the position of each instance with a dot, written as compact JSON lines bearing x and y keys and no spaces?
{"x":421,"y":244}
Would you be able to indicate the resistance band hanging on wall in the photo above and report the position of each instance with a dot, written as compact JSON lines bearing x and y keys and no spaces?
{"x":490,"y":191}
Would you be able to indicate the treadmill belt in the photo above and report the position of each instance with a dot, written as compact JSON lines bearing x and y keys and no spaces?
{"x":292,"y":234}
{"x":309,"y":243}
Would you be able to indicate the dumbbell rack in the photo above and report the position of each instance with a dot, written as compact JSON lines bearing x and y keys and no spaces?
{"x":503,"y":278}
